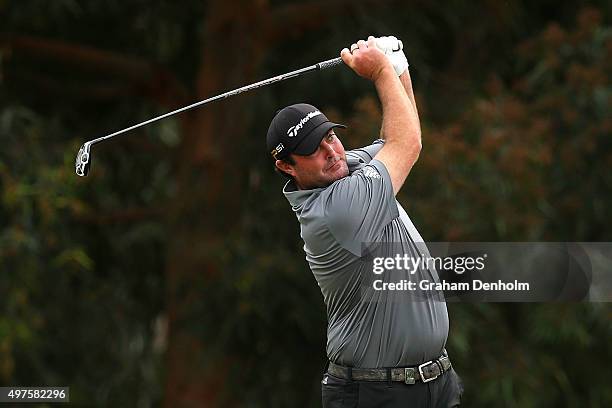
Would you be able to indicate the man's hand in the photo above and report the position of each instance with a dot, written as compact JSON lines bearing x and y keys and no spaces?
{"x":366,"y":59}
{"x":393,"y":49}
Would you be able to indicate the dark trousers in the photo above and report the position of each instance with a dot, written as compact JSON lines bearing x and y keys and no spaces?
{"x":444,"y":391}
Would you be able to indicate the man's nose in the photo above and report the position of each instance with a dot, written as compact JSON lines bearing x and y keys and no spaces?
{"x":329,"y":149}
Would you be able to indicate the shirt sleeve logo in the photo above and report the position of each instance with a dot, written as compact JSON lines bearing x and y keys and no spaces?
{"x":371,"y":172}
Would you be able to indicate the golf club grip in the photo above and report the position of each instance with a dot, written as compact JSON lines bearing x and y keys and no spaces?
{"x":330,"y":63}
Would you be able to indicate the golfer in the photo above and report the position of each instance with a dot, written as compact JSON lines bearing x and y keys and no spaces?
{"x":385,"y":346}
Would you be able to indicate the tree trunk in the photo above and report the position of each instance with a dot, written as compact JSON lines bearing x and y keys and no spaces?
{"x":236,"y":37}
{"x":208,"y":183}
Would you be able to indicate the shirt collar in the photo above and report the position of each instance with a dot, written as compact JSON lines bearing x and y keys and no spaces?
{"x":297,"y":197}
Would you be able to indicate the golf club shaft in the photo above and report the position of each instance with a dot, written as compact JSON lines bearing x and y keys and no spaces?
{"x":316,"y":67}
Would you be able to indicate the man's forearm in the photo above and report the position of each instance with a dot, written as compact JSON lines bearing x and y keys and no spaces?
{"x":406,"y":81}
{"x":400,"y":115}
{"x":400,"y":128}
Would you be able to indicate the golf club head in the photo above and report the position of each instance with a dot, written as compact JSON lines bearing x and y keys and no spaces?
{"x":83,"y":160}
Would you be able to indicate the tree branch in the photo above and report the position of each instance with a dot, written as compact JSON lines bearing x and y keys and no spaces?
{"x":296,"y":18}
{"x":52,"y":86}
{"x":120,"y":216}
{"x":158,"y":82}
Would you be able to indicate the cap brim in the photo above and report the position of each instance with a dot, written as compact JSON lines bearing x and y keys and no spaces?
{"x":310,"y":143}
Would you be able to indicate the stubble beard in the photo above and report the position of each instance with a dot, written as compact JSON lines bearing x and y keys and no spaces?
{"x":327,"y":178}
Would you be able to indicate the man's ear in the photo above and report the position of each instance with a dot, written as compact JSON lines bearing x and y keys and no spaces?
{"x":286,"y":167}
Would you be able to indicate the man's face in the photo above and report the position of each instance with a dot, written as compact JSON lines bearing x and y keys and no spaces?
{"x":326,"y":165}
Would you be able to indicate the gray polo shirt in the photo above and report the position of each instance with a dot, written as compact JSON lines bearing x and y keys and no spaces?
{"x":344,"y":227}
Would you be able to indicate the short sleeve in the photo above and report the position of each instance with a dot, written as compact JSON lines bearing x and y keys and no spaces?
{"x":360,"y":206}
{"x":365,"y":154}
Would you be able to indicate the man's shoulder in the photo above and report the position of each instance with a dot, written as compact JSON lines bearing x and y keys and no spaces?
{"x":363,"y":155}
{"x":346,"y":198}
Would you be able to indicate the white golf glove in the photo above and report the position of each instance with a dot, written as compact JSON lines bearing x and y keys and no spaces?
{"x":393,"y":49}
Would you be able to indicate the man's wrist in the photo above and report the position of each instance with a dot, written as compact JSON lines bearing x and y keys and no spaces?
{"x":384,"y":74}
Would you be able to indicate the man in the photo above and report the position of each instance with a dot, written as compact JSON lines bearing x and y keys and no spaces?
{"x":385,"y":347}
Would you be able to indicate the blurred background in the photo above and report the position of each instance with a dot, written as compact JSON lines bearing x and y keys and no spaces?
{"x":174,"y":274}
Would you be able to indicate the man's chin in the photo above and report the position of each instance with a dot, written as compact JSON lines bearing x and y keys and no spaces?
{"x":340,"y":173}
{"x":328,"y":178}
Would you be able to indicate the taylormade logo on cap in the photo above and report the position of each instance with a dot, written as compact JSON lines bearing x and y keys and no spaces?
{"x":293,"y":130}
{"x":297,"y":129}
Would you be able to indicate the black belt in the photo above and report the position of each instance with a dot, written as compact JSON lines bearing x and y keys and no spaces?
{"x":425,"y":372}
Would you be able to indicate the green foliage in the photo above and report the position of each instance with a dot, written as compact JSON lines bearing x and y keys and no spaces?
{"x":74,"y":311}
{"x":528,"y":161}
{"x":538,"y":145}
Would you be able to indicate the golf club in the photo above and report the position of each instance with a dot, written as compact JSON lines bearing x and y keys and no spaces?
{"x":83,"y":159}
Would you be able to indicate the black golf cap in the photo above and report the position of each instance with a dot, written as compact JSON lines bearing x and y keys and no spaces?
{"x":297,"y":129}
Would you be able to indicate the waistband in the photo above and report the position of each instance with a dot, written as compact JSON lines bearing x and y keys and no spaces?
{"x":428,"y":371}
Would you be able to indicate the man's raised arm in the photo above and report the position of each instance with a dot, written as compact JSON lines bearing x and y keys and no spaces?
{"x":406,"y":81}
{"x":400,"y":124}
